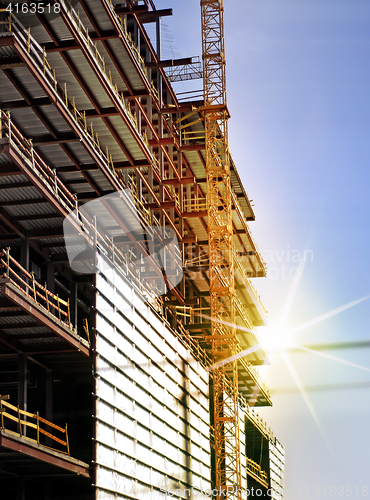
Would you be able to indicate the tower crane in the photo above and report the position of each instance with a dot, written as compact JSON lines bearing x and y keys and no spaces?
{"x":223,"y":337}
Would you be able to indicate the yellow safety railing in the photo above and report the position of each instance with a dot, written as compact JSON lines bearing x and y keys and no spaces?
{"x":196,"y":205}
{"x":241,"y":269}
{"x":138,"y":203}
{"x":59,"y":190}
{"x":26,"y":282}
{"x":39,"y":58}
{"x":40,"y":168}
{"x":256,"y":469}
{"x":250,"y":235}
{"x":93,"y":49}
{"x":133,"y":47}
{"x":258,"y":422}
{"x":32,"y":427}
{"x":154,"y":92}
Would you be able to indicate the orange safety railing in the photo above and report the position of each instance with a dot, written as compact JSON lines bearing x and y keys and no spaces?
{"x":26,"y":282}
{"x":32,"y":427}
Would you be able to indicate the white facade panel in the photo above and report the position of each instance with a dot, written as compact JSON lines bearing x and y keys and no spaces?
{"x":277,"y":461}
{"x":152,"y":416}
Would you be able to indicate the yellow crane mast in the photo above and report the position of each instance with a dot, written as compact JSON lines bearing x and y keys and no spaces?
{"x":221,"y":248}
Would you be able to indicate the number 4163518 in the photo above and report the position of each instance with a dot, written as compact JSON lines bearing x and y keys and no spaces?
{"x":33,"y":8}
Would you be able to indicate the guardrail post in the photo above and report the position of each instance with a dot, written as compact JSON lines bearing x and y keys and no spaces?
{"x":86,"y":329}
{"x":19,"y":421}
{"x":55,"y":181}
{"x":7,"y":261}
{"x":43,"y":59}
{"x":67,"y":441}
{"x":55,"y":80}
{"x":69,"y":314}
{"x":38,"y":427}
{"x":32,"y":154}
{"x":58,"y":305}
{"x":34,"y":286}
{"x":74,"y":107}
{"x":9,"y":126}
{"x":47,"y":296}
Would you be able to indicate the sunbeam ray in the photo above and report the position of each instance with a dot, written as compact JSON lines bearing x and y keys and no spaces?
{"x":234,"y":357}
{"x":302,"y":390}
{"x":253,"y":399}
{"x":327,"y":315}
{"x":292,"y":293}
{"x":328,"y":356}
{"x":226,"y":323}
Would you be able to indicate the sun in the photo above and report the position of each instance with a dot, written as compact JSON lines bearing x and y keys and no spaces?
{"x":276,"y":338}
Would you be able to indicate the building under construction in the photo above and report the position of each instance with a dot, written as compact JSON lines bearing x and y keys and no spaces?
{"x":127,"y":314}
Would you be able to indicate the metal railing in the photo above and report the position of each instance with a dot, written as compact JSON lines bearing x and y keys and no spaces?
{"x":39,"y":59}
{"x":195,"y":205}
{"x":38,"y":55}
{"x":93,"y":50}
{"x":25,"y":424}
{"x":27,"y":283}
{"x":191,"y":71}
{"x":258,"y":422}
{"x":88,"y":226}
{"x":39,"y":167}
{"x":247,"y":280}
{"x":244,"y":314}
{"x":256,"y":470}
{"x":127,"y":35}
{"x":250,"y":235}
{"x":255,"y":375}
{"x":147,"y":215}
{"x":206,"y":359}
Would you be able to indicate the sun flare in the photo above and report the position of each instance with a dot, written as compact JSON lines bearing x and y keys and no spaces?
{"x":276,"y":338}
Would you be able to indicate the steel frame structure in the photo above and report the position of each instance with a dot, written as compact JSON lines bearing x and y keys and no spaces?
{"x":157,"y":149}
{"x":221,"y":248}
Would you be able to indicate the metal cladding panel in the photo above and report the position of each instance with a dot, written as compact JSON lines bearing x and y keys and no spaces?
{"x":277,"y":461}
{"x":152,"y":406}
{"x":243,"y":456}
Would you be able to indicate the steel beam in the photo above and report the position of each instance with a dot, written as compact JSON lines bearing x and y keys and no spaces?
{"x":38,"y":312}
{"x":43,"y":454}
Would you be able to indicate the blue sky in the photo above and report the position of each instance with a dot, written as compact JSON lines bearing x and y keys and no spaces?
{"x":298,"y":92}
